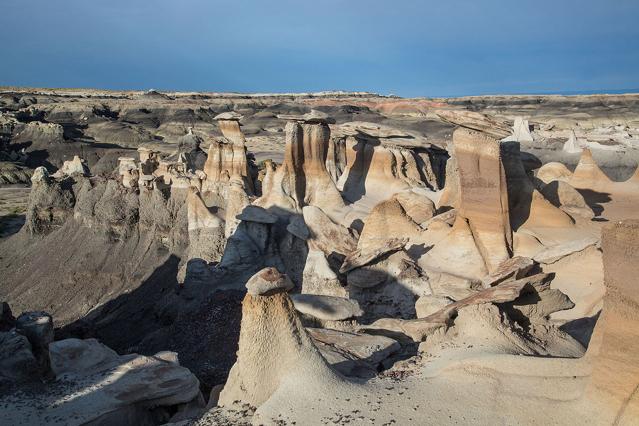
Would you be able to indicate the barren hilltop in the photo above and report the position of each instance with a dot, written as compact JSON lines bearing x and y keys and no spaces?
{"x":318,"y":258}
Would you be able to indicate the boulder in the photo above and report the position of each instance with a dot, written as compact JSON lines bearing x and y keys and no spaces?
{"x":256,"y":214}
{"x":17,"y":363}
{"x":77,"y":357}
{"x":38,"y":328}
{"x":417,"y":206}
{"x":326,"y":308}
{"x":554,"y":253}
{"x":353,"y":354}
{"x":297,"y":227}
{"x":537,"y":302}
{"x":268,"y":281}
{"x":326,"y":235}
{"x":124,"y":390}
{"x":359,"y":257}
{"x":387,"y":220}
{"x":553,"y":171}
{"x":567,"y":198}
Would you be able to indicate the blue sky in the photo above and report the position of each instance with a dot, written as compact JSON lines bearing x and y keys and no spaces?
{"x":409,"y":48}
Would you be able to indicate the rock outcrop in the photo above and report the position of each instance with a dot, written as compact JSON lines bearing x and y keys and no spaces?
{"x":614,"y":345}
{"x":96,"y":385}
{"x":303,"y":179}
{"x":274,"y":350}
{"x":483,"y":195}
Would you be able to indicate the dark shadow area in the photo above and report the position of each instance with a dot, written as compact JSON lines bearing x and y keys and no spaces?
{"x":520,"y":187}
{"x":11,"y":224}
{"x":416,"y":251}
{"x":581,"y":329}
{"x":354,"y":187}
{"x":202,"y":326}
{"x":595,"y":199}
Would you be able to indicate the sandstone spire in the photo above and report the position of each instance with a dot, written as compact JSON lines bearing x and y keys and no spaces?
{"x":483,"y":194}
{"x":303,"y":179}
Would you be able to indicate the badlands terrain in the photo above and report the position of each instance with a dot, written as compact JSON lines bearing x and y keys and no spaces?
{"x":318,"y":258}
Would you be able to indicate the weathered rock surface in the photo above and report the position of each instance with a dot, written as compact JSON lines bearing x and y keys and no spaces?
{"x":553,"y":171}
{"x":353,"y":353}
{"x":106,"y":388}
{"x":554,"y":253}
{"x":429,"y":304}
{"x":327,"y":308}
{"x":274,"y":349}
{"x":484,"y":195}
{"x":567,"y":198}
{"x":17,"y":363}
{"x":303,"y":180}
{"x":267,"y":282}
{"x":512,"y":269}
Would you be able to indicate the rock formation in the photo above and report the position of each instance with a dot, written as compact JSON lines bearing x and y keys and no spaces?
{"x":275,"y":349}
{"x":483,"y":195}
{"x":303,"y":178}
{"x":613,"y":351}
{"x":521,"y":131}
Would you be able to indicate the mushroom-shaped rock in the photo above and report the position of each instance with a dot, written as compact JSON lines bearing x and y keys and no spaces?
{"x":275,"y":351}
{"x":256,"y":214}
{"x":267,"y":282}
{"x":229,"y":116}
{"x":312,"y":117}
{"x":327,"y":308}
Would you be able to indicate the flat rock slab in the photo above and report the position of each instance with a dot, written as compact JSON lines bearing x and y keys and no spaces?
{"x":122,"y":393}
{"x":360,"y":258}
{"x":558,"y":252}
{"x":511,"y":269}
{"x":256,"y":214}
{"x":353,"y":353}
{"x":326,"y":308}
{"x":419,"y":329}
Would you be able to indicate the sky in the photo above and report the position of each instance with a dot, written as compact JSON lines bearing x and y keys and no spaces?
{"x":403,"y":47}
